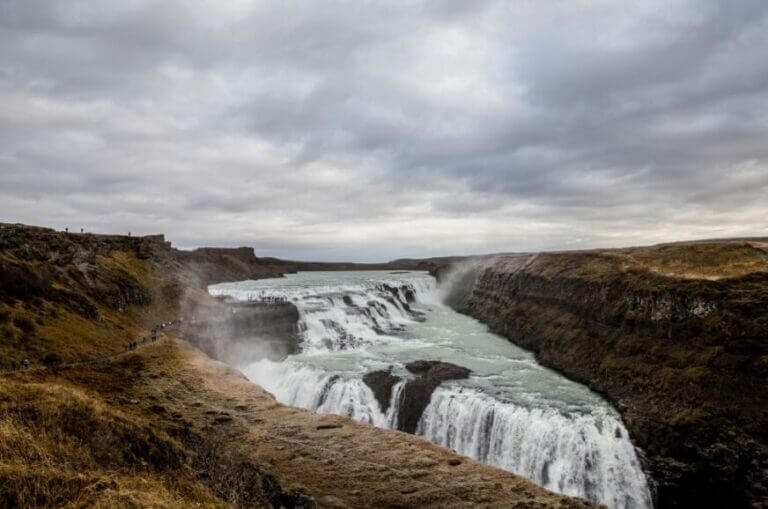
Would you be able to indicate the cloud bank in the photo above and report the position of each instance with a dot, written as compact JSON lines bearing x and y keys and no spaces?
{"x":375,"y":130}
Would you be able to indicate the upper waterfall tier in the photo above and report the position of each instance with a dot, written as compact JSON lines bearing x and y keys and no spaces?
{"x":354,"y":314}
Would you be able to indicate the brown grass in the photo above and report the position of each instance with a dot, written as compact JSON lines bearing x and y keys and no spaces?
{"x":31,"y":329}
{"x":712,"y":260}
{"x":703,"y":261}
{"x":59,"y":445}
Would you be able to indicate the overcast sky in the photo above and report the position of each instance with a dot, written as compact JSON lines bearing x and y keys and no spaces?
{"x":374,"y":130}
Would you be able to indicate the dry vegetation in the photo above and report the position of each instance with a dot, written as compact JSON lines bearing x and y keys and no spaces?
{"x":80,"y":305}
{"x":705,"y":260}
{"x":167,"y":427}
{"x":61,"y":446}
{"x":714,"y":260}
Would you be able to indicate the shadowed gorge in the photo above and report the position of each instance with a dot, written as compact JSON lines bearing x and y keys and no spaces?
{"x":672,"y":335}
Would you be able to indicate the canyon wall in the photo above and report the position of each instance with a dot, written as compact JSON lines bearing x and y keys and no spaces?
{"x":675,"y":336}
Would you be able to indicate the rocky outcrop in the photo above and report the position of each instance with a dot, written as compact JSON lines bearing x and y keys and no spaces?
{"x":381,"y":383}
{"x":417,"y":390}
{"x":682,"y":356}
{"x":73,"y":270}
{"x":219,"y":265}
{"x":241,"y":333}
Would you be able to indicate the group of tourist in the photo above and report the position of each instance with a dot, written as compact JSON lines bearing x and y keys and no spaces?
{"x":270,"y":300}
{"x":24,"y":364}
{"x":153,"y":336}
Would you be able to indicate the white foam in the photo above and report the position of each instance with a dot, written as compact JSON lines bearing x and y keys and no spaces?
{"x":522,"y":417}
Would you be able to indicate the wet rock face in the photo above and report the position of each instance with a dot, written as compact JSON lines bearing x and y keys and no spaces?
{"x":418,"y":391}
{"x":438,"y":369}
{"x":381,"y":383}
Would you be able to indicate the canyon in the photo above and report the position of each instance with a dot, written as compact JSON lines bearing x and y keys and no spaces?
{"x":88,"y":419}
{"x":673,"y":336}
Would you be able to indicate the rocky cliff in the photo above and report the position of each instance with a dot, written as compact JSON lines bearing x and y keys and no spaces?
{"x":676,"y":336}
{"x":218,"y":265}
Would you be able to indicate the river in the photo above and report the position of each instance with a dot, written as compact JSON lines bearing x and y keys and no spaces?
{"x":511,"y":412}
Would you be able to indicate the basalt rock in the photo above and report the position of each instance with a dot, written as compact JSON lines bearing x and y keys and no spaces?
{"x":381,"y":383}
{"x":418,"y":391}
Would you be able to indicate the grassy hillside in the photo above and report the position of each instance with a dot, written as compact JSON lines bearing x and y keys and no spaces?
{"x":65,"y":297}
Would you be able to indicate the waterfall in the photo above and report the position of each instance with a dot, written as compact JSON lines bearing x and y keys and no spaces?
{"x":346,"y":317}
{"x":576,"y":445}
{"x":587,"y":455}
{"x":329,"y":394}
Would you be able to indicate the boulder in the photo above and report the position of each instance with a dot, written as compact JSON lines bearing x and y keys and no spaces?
{"x":418,"y":391}
{"x":381,"y":383}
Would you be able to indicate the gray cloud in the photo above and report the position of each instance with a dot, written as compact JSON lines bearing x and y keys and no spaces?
{"x":370,"y":131}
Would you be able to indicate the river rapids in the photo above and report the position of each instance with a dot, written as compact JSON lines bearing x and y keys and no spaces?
{"x":511,"y":412}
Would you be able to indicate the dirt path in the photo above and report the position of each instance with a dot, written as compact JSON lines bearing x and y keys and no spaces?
{"x":134,"y":345}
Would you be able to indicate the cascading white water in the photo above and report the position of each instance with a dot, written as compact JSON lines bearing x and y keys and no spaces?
{"x":511,"y":412}
{"x":584,"y":454}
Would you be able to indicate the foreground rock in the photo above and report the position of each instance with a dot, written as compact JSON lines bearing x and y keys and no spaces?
{"x":381,"y":383}
{"x":676,"y":336}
